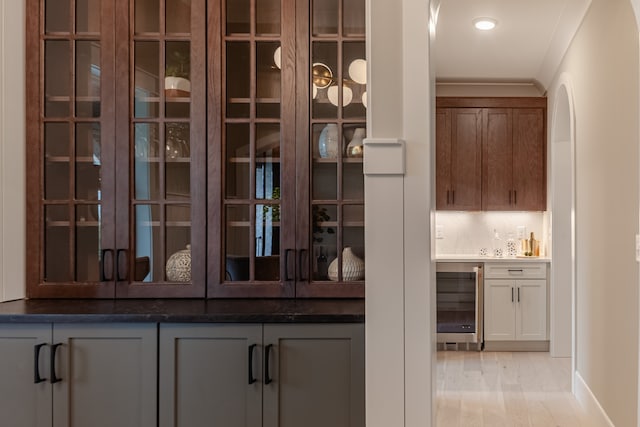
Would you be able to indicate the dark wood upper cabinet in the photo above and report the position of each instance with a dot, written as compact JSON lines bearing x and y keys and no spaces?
{"x":497,"y":170}
{"x":116,"y":148}
{"x":458,"y":154}
{"x":511,"y":153}
{"x":529,"y":159}
{"x":196,"y":148}
{"x":286,"y":190}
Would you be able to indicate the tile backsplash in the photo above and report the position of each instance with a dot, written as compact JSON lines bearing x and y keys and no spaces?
{"x":465,"y":233}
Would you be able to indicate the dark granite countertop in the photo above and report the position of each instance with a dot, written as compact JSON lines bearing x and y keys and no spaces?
{"x":184,"y":311}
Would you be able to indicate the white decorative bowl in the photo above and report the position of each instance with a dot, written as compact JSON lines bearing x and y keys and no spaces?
{"x":177,"y":87}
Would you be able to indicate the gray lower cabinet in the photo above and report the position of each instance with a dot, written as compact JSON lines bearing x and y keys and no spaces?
{"x":84,"y":375}
{"x":269,"y":375}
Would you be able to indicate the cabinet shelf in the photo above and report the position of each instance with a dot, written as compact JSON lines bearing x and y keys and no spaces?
{"x":256,"y":100}
{"x":248,"y":224}
{"x":78,"y":223}
{"x":167,"y":160}
{"x":68,"y":159}
{"x":257,"y":160}
{"x":178,"y":99}
{"x":169,"y":99}
{"x":344,"y":224}
{"x":64,"y":98}
{"x":335,"y":160}
{"x":166,"y":223}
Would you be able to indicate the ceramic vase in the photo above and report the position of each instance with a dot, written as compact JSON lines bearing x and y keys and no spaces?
{"x":356,"y":147}
{"x":178,"y":266}
{"x":512,"y":248}
{"x":352,"y":267}
{"x":328,"y":146}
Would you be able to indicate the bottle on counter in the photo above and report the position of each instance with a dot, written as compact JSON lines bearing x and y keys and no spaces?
{"x":534,"y":246}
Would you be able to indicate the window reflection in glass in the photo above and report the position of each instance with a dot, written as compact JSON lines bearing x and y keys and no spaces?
{"x":237,"y":252}
{"x":148,"y":244}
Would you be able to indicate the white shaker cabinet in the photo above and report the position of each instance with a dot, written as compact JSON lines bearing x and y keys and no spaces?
{"x":515,"y":302}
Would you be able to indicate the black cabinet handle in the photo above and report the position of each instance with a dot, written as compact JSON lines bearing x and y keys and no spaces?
{"x":267,"y":375}
{"x":121,"y":277}
{"x":36,"y":366}
{"x":286,"y":264}
{"x":518,"y":294}
{"x":511,"y":294}
{"x":251,"y":377}
{"x":54,"y":378}
{"x":103,"y":276}
{"x":303,"y":276}
{"x":515,"y":270}
{"x":515,"y":197}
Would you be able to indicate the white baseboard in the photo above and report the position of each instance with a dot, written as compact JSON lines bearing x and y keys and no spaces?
{"x":585,"y":396}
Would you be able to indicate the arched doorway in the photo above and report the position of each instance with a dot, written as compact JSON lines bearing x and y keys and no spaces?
{"x":562,"y":150}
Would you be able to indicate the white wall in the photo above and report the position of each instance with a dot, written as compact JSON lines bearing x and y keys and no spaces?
{"x":12,"y":150}
{"x":466,"y":232}
{"x":488,"y":89}
{"x":602,"y":63}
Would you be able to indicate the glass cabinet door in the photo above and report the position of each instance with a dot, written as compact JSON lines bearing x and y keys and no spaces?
{"x":257,"y":144}
{"x":74,"y":238}
{"x":337,"y":83}
{"x":165,"y":204}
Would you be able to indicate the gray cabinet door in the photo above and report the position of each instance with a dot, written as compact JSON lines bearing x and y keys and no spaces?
{"x":206,"y":378}
{"x":23,"y":402}
{"x":317,"y":374}
{"x":107,"y":375}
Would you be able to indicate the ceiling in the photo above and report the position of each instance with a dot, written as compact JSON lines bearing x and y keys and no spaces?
{"x":527,"y":45}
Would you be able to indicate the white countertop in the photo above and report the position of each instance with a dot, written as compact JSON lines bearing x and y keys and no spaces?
{"x":478,"y":258}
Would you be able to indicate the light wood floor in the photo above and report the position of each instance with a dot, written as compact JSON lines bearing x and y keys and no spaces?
{"x":493,"y":389}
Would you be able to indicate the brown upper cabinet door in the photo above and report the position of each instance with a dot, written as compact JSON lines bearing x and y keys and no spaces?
{"x":252,"y":174}
{"x":161,"y":154}
{"x":443,"y":158}
{"x":529,"y":160}
{"x":458,"y":158}
{"x":497,"y":153}
{"x":514,"y":170}
{"x":70,"y":152}
{"x":117,"y":148}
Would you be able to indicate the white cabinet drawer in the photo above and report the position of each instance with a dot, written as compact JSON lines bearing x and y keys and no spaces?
{"x":528,"y":270}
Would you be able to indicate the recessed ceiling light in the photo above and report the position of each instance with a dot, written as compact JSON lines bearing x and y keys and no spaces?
{"x":485,"y":24}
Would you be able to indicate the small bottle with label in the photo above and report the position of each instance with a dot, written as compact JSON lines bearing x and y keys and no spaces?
{"x":534,"y":246}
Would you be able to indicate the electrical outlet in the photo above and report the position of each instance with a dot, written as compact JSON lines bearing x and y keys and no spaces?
{"x":439,"y":231}
{"x":522,"y":232}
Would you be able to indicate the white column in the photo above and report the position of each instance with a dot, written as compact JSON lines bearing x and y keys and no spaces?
{"x":400,"y":336}
{"x":12,"y":150}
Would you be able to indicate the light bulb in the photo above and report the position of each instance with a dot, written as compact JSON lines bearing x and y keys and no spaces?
{"x":347,"y":95}
{"x":485,"y":24}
